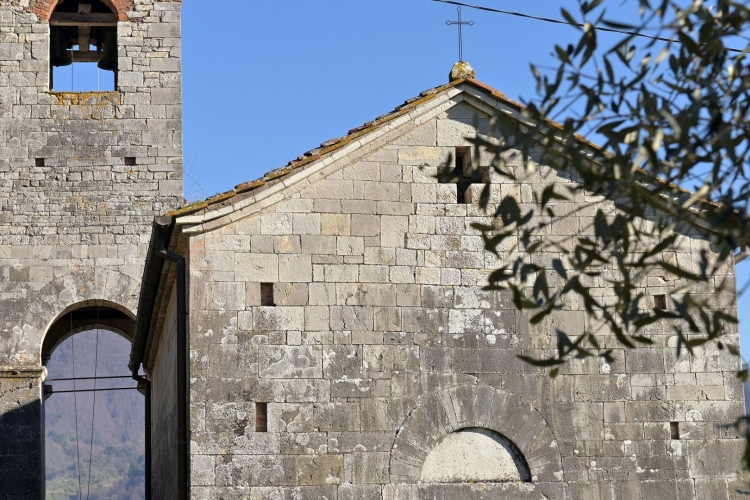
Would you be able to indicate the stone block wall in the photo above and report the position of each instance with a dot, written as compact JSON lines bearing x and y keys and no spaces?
{"x":381,"y":342}
{"x":74,"y":214}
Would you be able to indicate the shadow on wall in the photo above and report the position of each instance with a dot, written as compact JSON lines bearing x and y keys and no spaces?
{"x":21,"y":471}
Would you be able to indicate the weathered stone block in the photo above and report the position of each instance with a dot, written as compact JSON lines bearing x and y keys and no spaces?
{"x":367,"y":467}
{"x":337,"y":417}
{"x":290,"y":362}
{"x":295,"y":268}
{"x":320,"y":470}
{"x":335,"y":224}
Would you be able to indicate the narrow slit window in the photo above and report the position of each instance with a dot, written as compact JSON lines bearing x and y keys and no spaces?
{"x":660,"y":302}
{"x":266,"y":295}
{"x":39,"y":162}
{"x":674,"y":430}
{"x":129,"y":161}
{"x":261,"y":417}
{"x":463,"y":163}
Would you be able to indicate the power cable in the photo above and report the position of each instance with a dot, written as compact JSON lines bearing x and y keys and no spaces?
{"x":98,"y":390}
{"x":87,"y":378}
{"x":559,"y":21}
{"x":93,"y":408}
{"x":75,"y":408}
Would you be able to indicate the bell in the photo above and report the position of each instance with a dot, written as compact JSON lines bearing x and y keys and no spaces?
{"x":59,"y":54}
{"x":108,"y":60}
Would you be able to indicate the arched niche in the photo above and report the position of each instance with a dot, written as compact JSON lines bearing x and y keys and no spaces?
{"x":450,"y":411}
{"x":87,"y":315}
{"x":475,"y":455}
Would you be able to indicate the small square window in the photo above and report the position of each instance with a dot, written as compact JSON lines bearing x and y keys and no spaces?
{"x":674,"y":430}
{"x":39,"y":162}
{"x":261,"y":417}
{"x":266,"y":295}
{"x":130,"y":161}
{"x":660,"y":302}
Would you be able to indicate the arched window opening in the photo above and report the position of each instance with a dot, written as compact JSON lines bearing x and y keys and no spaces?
{"x":83,"y":46}
{"x":93,"y":414}
{"x":475,"y":455}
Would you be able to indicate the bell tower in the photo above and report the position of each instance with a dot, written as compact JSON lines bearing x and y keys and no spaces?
{"x":90,"y":152}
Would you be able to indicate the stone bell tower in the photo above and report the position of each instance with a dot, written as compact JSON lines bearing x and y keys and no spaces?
{"x":82,"y":174}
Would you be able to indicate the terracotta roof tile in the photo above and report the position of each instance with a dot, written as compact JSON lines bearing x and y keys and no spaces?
{"x":313,"y":155}
{"x":274,"y":176}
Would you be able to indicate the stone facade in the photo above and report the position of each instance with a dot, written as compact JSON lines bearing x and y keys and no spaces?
{"x":341,"y":345}
{"x":380,"y":344}
{"x":74,"y":216}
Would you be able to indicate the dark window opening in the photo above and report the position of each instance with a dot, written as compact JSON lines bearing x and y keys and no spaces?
{"x":261,"y":417}
{"x":660,"y":302}
{"x":674,"y":430}
{"x":129,"y":161}
{"x":464,"y":174}
{"x":266,"y":295}
{"x":83,"y":47}
{"x":39,"y":162}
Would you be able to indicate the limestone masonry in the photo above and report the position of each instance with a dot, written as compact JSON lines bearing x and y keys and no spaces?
{"x":338,"y":340}
{"x":74,"y":218}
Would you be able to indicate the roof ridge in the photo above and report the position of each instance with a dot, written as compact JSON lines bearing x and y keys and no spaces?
{"x":353,"y":134}
{"x":317,"y":153}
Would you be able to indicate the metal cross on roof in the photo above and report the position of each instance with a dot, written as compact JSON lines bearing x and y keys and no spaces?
{"x":460,"y":24}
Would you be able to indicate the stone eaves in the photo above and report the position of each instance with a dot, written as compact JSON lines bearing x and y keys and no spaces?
{"x":222,"y":203}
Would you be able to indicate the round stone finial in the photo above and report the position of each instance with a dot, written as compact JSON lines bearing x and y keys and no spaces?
{"x":461,"y":70}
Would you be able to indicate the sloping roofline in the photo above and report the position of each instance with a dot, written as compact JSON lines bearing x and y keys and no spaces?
{"x":306,"y":159}
{"x":246,"y":189}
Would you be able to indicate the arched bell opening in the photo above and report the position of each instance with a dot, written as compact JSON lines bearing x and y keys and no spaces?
{"x":94,"y":414}
{"x":83,"y":46}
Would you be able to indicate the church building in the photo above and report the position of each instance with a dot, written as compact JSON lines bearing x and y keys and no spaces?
{"x":341,"y":344}
{"x":322,"y":332}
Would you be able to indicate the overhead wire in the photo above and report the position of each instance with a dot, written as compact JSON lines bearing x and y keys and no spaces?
{"x":560,"y":21}
{"x":75,"y":408}
{"x":87,"y":378}
{"x":75,"y":390}
{"x":93,"y":407}
{"x":98,"y":390}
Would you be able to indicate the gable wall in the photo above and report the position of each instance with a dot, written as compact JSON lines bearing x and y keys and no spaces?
{"x":381,"y":327}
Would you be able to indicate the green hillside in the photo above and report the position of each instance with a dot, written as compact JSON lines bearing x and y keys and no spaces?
{"x":117,"y":464}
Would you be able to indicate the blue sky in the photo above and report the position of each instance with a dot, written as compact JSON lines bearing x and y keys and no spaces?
{"x":266,"y":81}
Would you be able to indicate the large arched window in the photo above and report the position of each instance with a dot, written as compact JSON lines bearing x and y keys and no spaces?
{"x":94,"y":416}
{"x":83,"y":46}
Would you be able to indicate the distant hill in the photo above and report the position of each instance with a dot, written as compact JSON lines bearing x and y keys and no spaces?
{"x":117,"y":467}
